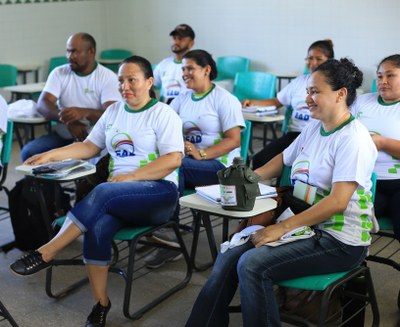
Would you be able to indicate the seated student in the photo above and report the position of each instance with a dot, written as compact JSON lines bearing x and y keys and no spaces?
{"x":380,"y":113}
{"x":292,"y":95}
{"x":168,"y":73}
{"x":75,"y":95}
{"x":142,"y":138}
{"x":212,"y":120}
{"x":335,"y":154}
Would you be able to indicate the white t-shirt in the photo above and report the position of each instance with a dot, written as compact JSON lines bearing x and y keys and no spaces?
{"x":205,"y":120}
{"x":321,"y":159}
{"x":382,"y":119}
{"x":168,"y":75}
{"x":89,"y":91}
{"x":135,"y":138}
{"x":294,"y":94}
{"x":3,"y":122}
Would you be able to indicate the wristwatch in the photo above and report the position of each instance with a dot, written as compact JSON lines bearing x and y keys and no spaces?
{"x":203,"y":154}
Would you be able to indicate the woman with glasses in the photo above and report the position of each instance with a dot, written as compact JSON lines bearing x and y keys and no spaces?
{"x":293,"y":95}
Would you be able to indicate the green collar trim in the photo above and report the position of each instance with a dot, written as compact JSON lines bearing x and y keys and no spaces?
{"x":323,"y":133}
{"x":148,"y":105}
{"x":176,"y":61}
{"x":94,"y":68}
{"x":201,"y":96}
{"x":382,"y":103}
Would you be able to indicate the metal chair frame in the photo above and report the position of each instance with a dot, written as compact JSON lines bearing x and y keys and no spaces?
{"x":132,"y":236}
{"x":6,"y":315}
{"x":200,"y":219}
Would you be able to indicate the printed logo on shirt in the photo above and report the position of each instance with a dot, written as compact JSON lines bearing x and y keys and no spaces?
{"x":301,"y":171}
{"x":173,"y":88}
{"x":88,"y":91}
{"x":302,"y":115}
{"x":192,"y":132}
{"x":108,"y":127}
{"x":123,"y":145}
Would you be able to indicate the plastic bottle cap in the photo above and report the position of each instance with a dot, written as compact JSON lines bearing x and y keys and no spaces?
{"x":238,"y":161}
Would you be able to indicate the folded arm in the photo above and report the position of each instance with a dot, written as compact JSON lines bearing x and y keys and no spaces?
{"x":388,"y":145}
{"x":157,"y":169}
{"x":72,"y":114}
{"x":230,"y":141}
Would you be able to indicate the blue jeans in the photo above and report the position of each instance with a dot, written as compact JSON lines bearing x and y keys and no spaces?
{"x":42,"y":144}
{"x":198,"y":172}
{"x":257,"y":269}
{"x":112,"y":206}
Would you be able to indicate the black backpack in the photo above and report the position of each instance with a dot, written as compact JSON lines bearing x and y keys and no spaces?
{"x":27,"y":220}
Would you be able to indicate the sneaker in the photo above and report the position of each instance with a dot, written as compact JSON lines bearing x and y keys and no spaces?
{"x":164,"y":236}
{"x":161,"y":256}
{"x":97,"y":317}
{"x":29,"y":264}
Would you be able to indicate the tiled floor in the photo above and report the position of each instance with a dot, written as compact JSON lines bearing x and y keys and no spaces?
{"x":27,"y":301}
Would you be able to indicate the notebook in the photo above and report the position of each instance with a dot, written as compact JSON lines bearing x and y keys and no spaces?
{"x":213,"y":193}
{"x":57,"y":169}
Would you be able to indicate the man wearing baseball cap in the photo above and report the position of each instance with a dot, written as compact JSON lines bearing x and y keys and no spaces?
{"x":168,"y":73}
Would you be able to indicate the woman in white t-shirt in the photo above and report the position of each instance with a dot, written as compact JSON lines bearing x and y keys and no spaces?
{"x":380,"y":113}
{"x":212,"y":119}
{"x":335,"y":154}
{"x":145,"y":145}
{"x":293,"y":96}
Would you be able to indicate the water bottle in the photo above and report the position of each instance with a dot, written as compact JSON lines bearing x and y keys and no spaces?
{"x":239,"y":186}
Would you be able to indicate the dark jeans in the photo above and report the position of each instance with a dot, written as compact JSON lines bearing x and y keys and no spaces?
{"x":112,"y":206}
{"x":42,"y":144}
{"x":273,"y":148}
{"x":387,"y":202}
{"x":197,"y":173}
{"x":257,"y":269}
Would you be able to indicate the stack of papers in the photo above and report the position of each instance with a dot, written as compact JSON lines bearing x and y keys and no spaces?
{"x":261,"y":111}
{"x":213,"y":192}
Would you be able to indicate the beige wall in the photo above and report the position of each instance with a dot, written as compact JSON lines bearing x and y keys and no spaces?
{"x":275,"y":34}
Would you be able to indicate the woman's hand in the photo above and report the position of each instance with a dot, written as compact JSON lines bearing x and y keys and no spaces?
{"x":39,"y":159}
{"x":247,"y":103}
{"x":268,"y":234}
{"x":190,"y":150}
{"x":122,"y":178}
